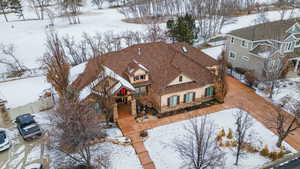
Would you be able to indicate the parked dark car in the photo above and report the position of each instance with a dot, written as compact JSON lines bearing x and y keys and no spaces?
{"x":4,"y":140}
{"x":27,"y":126}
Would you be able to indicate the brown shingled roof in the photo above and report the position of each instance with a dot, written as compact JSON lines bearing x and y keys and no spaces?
{"x":164,"y":61}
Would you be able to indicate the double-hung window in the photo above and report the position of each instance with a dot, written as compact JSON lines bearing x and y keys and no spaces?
{"x":209,"y":91}
{"x":189,"y":97}
{"x":173,"y":101}
{"x":232,"y":55}
{"x":140,"y":77}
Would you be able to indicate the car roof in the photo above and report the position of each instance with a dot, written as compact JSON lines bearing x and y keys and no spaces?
{"x":25,"y":118}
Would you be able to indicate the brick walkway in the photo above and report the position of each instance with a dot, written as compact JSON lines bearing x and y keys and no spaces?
{"x":238,"y":95}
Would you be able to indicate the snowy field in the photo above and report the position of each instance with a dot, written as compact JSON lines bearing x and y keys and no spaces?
{"x":21,"y":92}
{"x":29,"y":36}
{"x":162,"y":152}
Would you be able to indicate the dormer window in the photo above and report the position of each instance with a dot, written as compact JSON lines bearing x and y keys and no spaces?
{"x":244,"y":44}
{"x":184,"y":49}
{"x":180,"y":78}
{"x":232,"y":40}
{"x":139,"y":77}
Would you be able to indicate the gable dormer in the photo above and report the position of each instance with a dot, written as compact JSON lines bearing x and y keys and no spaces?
{"x":180,"y":80}
{"x":137,"y":72}
{"x":295,"y":29}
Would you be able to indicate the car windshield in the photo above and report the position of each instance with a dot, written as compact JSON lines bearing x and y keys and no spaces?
{"x":26,"y":120}
{"x":2,"y":137}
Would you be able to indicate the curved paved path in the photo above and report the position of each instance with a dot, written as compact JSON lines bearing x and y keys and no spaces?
{"x":238,"y":95}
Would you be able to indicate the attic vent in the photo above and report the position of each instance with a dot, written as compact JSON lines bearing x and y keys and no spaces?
{"x":184,"y":49}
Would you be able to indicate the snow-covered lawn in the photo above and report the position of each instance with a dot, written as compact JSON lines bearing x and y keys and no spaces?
{"x":159,"y":143}
{"x":21,"y":92}
{"x":120,"y":157}
{"x":29,"y":36}
{"x":286,"y":88}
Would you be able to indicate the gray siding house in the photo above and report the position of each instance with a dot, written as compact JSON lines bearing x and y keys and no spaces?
{"x":250,"y":47}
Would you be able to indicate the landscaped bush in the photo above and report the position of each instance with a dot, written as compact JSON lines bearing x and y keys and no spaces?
{"x":250,"y":78}
{"x":228,"y":144}
{"x":274,"y":155}
{"x":240,"y":70}
{"x":233,"y":143}
{"x":265,"y":152}
{"x":229,"y":135}
{"x":251,"y":149}
{"x":222,"y":133}
{"x":219,"y":138}
{"x":144,"y":133}
{"x":280,"y":153}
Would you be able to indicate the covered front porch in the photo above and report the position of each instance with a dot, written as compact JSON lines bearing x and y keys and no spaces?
{"x":294,"y":70}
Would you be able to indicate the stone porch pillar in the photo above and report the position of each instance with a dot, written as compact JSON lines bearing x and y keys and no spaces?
{"x":4,"y":115}
{"x":133,"y":107}
{"x":115,"y":112}
{"x":297,"y":65}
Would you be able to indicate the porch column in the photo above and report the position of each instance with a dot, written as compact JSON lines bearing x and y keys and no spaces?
{"x":4,"y":115}
{"x":115,"y":112}
{"x":297,"y":65}
{"x":133,"y":107}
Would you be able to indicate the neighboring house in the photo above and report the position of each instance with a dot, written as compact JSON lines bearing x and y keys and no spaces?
{"x":249,"y":47}
{"x":163,"y":76}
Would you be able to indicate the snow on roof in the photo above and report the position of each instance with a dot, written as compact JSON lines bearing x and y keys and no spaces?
{"x":76,"y":71}
{"x":110,"y":73}
{"x":140,"y":65}
{"x":214,"y":52}
{"x":116,"y":87}
{"x":85,"y":92}
{"x":107,"y":73}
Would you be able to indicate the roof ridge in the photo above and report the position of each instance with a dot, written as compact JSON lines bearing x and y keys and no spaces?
{"x":189,"y":58}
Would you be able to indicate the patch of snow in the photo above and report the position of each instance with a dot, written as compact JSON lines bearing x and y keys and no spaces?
{"x":76,"y":71}
{"x":161,"y":150}
{"x":214,"y":52}
{"x":116,"y":87}
{"x":21,"y":92}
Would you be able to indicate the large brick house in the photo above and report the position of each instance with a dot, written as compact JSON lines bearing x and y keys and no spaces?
{"x":249,"y":47}
{"x":164,"y":76}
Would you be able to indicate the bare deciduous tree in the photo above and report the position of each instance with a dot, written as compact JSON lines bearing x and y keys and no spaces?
{"x":3,"y":7}
{"x":155,"y":33}
{"x":98,"y":3}
{"x":71,"y":9}
{"x":221,"y":80}
{"x":39,"y":7}
{"x":283,"y":123}
{"x":274,"y":67}
{"x":243,"y":123}
{"x":198,"y":149}
{"x":9,"y":58}
{"x":74,"y":128}
{"x":56,"y":64}
{"x":105,"y":96}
